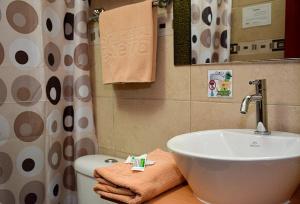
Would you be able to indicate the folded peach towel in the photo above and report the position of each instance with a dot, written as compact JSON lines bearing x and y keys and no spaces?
{"x":128,"y":40}
{"x":119,"y":183}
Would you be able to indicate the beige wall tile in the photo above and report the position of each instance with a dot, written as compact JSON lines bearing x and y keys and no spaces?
{"x":113,"y":152}
{"x":99,"y":89}
{"x":207,"y":116}
{"x":120,"y":154}
{"x":171,"y":82}
{"x":106,"y":151}
{"x":143,"y":125}
{"x":95,"y":55}
{"x":103,"y":90}
{"x":284,"y":118}
{"x":104,"y":122}
{"x":283,"y":82}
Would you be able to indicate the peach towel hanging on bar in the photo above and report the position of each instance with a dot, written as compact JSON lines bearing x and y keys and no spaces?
{"x":128,"y":41}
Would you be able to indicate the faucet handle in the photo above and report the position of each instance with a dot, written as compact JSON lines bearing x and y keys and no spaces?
{"x":260,"y":84}
{"x":255,"y":82}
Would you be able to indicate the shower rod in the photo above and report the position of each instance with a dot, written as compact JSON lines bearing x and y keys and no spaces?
{"x":97,"y":12}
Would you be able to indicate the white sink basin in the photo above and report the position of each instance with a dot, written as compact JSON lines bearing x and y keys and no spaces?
{"x":239,"y":167}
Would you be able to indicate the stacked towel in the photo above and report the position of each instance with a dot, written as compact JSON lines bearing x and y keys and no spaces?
{"x":128,"y":38}
{"x":119,"y":183}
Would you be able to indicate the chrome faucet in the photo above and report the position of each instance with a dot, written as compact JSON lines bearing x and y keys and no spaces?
{"x":260,"y":99}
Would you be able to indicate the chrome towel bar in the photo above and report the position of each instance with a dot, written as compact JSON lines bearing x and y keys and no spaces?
{"x":97,"y":12}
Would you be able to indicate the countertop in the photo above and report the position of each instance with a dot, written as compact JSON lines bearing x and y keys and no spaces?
{"x":184,"y":195}
{"x":179,"y":195}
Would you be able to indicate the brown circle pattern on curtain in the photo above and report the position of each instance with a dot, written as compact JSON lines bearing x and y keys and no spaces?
{"x":52,"y":56}
{"x":6,"y":167}
{"x":30,"y":161}
{"x":68,"y":118}
{"x":28,"y":126}
{"x":24,"y":54}
{"x":7,"y":197}
{"x":54,"y":123}
{"x":32,"y":192}
{"x":53,"y":90}
{"x":26,"y":90}
{"x":81,"y":56}
{"x":69,"y":26}
{"x":69,"y":178}
{"x":70,"y":3}
{"x":22,"y":17}
{"x":195,"y":13}
{"x":206,"y":38}
{"x":5,"y":130}
{"x":1,"y":53}
{"x":55,"y":188}
{"x":68,"y":88}
{"x":68,"y":149}
{"x":68,"y":60}
{"x":83,"y":88}
{"x":3,"y":92}
{"x":46,"y":118}
{"x":80,"y":24}
{"x":210,"y":31}
{"x":54,"y":155}
{"x":51,"y":22}
{"x":84,"y":147}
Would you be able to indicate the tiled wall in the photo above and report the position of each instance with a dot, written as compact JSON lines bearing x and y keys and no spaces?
{"x":138,"y":118}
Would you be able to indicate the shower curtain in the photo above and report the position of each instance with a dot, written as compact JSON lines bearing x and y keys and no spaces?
{"x":46,"y":118}
{"x":211,"y":24}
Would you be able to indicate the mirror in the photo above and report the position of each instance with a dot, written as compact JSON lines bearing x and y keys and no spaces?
{"x":223,"y":31}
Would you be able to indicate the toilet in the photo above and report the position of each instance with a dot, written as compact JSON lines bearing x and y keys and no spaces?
{"x":85,"y":167}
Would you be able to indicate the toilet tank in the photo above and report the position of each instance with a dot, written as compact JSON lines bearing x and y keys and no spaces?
{"x":85,"y":167}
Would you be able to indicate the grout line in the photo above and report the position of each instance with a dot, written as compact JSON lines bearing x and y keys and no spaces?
{"x":190,"y":98}
{"x":235,"y":103}
{"x":113,"y":128}
{"x":146,"y":99}
{"x":191,"y":101}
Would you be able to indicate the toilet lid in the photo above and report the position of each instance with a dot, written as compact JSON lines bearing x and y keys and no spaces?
{"x":87,"y":164}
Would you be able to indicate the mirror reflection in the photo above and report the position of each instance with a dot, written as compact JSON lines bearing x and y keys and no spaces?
{"x":225,"y":31}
